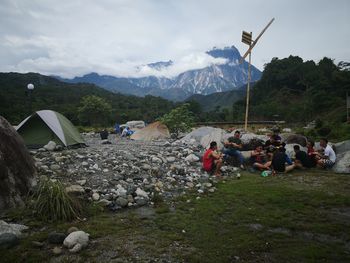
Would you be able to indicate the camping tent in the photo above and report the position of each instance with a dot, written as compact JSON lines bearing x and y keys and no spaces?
{"x":47,"y":125}
{"x":153,"y":131}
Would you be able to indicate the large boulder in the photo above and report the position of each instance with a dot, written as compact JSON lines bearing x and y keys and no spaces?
{"x":296,"y":139}
{"x":203,"y":136}
{"x":342,"y":147}
{"x":290,"y":150}
{"x":342,"y":164}
{"x":17,"y":169}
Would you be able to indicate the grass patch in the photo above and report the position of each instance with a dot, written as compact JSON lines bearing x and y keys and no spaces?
{"x":291,"y":218}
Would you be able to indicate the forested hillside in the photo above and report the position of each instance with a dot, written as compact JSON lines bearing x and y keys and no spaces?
{"x":50,"y":93}
{"x":301,"y":91}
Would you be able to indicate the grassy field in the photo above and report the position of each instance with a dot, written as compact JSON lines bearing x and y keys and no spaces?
{"x":300,"y":217}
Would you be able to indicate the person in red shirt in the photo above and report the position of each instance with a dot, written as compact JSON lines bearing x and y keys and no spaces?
{"x":212,"y":160}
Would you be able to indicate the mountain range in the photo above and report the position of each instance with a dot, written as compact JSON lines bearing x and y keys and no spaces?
{"x":230,"y":75}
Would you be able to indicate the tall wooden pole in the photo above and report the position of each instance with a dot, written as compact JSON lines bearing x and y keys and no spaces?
{"x":248,"y":92}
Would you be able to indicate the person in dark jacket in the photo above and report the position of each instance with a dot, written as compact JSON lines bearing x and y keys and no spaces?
{"x":281,"y":162}
{"x":302,"y":160}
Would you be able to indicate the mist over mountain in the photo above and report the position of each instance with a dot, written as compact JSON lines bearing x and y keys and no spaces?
{"x":212,"y":79}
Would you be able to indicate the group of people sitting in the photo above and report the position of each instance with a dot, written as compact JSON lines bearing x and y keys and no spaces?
{"x":268,"y":156}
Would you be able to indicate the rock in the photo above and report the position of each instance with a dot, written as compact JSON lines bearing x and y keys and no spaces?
{"x":95,"y":196}
{"x":146,"y":167}
{"x":72,"y":229}
{"x":75,"y":189}
{"x":192,"y":158}
{"x":81,"y":182}
{"x":139,"y":192}
{"x":50,"y":146}
{"x":141,"y":201}
{"x":56,"y":238}
{"x":122,"y":202}
{"x":342,"y":163}
{"x":106,"y":141}
{"x":121,"y":192}
{"x":290,"y":150}
{"x":296,"y":139}
{"x":55,"y":167}
{"x":77,"y":237}
{"x":76,"y":248}
{"x":170,"y":159}
{"x":246,"y":138}
{"x":15,"y":229}
{"x":342,"y":147}
{"x":156,"y":160}
{"x":17,"y":167}
{"x":194,"y":137}
{"x":57,"y":251}
{"x":95,"y":166}
{"x":8,"y":240}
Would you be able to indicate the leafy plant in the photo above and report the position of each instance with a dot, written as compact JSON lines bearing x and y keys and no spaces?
{"x":179,"y":119}
{"x":50,"y":202}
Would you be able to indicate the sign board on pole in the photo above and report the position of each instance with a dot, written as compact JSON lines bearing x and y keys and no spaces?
{"x":247,"y":38}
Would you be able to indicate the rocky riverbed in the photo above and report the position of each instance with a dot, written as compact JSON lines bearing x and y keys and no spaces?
{"x":127,"y":173}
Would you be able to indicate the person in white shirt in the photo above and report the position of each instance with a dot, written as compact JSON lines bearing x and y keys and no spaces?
{"x":327,"y":159}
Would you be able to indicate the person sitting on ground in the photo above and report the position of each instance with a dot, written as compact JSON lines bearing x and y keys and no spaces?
{"x":273,"y":142}
{"x":212,"y":160}
{"x":259,"y":159}
{"x":279,"y":161}
{"x":232,"y":148}
{"x":104,"y":134}
{"x":302,"y":159}
{"x":327,"y":159}
{"x":312,"y":153}
{"x":125,"y":132}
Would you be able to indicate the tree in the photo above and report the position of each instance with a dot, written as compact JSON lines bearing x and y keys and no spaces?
{"x":179,"y":119}
{"x":94,"y":110}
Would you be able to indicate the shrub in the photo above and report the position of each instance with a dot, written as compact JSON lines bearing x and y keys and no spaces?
{"x":50,"y":202}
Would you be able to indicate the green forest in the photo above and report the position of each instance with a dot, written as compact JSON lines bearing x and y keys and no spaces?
{"x":68,"y":99}
{"x":290,"y":89}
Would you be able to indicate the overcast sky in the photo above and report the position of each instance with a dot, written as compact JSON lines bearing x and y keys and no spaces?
{"x":116,"y":37}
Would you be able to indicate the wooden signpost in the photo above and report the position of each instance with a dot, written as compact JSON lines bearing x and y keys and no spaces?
{"x":247,"y":39}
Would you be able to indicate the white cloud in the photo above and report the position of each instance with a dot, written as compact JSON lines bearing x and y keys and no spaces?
{"x":70,"y":38}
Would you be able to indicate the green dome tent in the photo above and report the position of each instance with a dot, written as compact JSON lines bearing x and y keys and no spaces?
{"x":47,"y":125}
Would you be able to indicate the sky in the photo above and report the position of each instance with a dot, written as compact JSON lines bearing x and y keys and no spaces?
{"x":120,"y":37}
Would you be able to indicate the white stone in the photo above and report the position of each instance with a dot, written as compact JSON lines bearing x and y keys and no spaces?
{"x":95,"y":166}
{"x":15,"y":229}
{"x":95,"y":196}
{"x":50,"y":146}
{"x":81,"y":182}
{"x":141,"y":193}
{"x":342,"y":164}
{"x":171,"y":159}
{"x":192,"y":158}
{"x":76,"y":237}
{"x":75,"y":189}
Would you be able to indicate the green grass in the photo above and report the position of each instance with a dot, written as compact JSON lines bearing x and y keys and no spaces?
{"x":288,"y":218}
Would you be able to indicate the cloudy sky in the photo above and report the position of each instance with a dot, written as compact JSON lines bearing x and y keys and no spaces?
{"x":116,"y":37}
